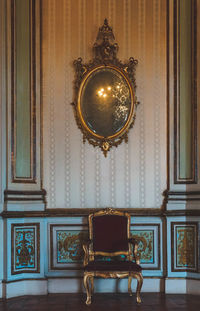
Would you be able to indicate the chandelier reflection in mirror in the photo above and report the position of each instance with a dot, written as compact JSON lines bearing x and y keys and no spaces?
{"x":105,"y":102}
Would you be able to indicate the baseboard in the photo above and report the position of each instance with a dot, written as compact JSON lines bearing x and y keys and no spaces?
{"x":193,"y":287}
{"x":75,"y":285}
{"x":25,"y":287}
{"x":1,"y":290}
{"x":182,"y":286}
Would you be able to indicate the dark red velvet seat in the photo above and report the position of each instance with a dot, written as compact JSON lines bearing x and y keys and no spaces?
{"x":112,"y":266}
{"x":109,"y":232}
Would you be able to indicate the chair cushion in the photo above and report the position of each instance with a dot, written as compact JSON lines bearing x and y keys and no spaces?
{"x":112,"y":266}
{"x":110,"y":233}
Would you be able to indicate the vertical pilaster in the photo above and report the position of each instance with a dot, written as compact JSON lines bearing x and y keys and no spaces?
{"x":183,"y":195}
{"x":183,"y":187}
{"x":2,"y":99}
{"x":24,"y":183}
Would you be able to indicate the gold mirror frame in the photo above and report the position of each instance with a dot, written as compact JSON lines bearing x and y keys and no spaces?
{"x":105,"y":60}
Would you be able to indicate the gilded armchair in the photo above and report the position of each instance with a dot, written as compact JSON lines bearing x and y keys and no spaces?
{"x":109,"y":236}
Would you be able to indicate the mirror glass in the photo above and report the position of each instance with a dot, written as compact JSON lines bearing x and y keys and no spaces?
{"x":105,"y":101}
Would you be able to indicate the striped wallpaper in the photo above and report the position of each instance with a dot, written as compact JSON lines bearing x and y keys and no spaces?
{"x":76,"y":174}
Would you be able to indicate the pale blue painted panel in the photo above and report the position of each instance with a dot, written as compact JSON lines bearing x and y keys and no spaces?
{"x":185,"y":89}
{"x":42,"y":242}
{"x":23,"y":89}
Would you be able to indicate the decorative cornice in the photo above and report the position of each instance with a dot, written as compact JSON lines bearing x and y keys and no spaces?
{"x":80,"y":212}
{"x":76,"y":212}
{"x":25,"y":195}
{"x":182,"y":213}
{"x":181,"y":196}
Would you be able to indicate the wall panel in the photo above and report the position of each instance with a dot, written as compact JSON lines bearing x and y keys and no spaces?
{"x":2,"y":72}
{"x":77,"y":175}
{"x":22,"y":104}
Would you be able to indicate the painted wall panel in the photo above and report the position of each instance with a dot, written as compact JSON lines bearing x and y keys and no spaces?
{"x":25,"y":251}
{"x":2,"y":101}
{"x":66,"y":235}
{"x":183,"y":247}
{"x":65,"y":246}
{"x":149,"y":233}
{"x":25,"y":254}
{"x":61,"y":251}
{"x":22,"y":100}
{"x":2,"y":254}
{"x":23,"y":83}
{"x":185,"y":89}
{"x":77,"y":175}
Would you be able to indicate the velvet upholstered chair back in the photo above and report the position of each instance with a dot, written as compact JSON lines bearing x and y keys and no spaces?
{"x":109,"y":232}
{"x":109,"y":236}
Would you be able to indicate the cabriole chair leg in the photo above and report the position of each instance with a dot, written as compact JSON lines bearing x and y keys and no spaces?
{"x":88,"y":288}
{"x":129,"y":286}
{"x":88,"y":282}
{"x":139,"y":278}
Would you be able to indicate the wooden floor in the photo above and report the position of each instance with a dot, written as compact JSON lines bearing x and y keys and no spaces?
{"x":102,"y":302}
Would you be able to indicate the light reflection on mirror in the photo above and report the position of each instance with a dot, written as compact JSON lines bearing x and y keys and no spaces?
{"x":105,"y":101}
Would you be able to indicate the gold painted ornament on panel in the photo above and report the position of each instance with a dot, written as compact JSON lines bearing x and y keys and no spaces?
{"x":105,"y":102}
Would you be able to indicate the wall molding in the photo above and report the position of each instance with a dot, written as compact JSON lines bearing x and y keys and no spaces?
{"x":78,"y":212}
{"x":13,"y":195}
{"x":68,"y":212}
{"x":181,"y":196}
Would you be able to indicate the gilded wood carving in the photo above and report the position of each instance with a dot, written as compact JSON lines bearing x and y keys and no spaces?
{"x":105,"y":102}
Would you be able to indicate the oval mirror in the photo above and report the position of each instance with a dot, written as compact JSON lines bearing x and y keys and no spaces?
{"x":105,"y":102}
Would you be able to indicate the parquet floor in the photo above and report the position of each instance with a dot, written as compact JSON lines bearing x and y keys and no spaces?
{"x":103,"y":302}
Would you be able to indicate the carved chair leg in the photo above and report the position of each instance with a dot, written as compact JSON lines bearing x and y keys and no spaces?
{"x":129,"y":285}
{"x":88,"y":287}
{"x":92,"y":284}
{"x":139,"y":278}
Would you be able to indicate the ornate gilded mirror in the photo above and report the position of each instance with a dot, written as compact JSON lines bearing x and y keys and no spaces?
{"x":105,"y":102}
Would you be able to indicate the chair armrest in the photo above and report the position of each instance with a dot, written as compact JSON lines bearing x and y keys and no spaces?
{"x":86,"y":245}
{"x":135,"y":250}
